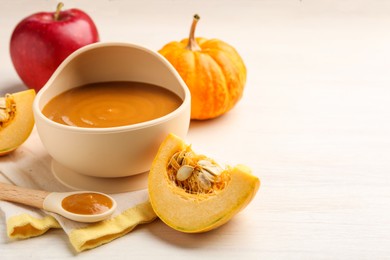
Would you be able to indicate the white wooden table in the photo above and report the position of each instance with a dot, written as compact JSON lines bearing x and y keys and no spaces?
{"x":314,"y":125}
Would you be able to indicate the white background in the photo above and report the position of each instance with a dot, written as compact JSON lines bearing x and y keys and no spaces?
{"x":313,"y":124}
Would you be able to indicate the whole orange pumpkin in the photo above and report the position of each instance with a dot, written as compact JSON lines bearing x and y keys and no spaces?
{"x":213,"y":71}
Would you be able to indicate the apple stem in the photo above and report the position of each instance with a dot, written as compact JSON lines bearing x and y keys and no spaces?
{"x":57,"y":13}
{"x":192,"y":44}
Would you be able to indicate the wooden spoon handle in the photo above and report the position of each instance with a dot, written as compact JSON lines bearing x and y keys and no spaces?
{"x":24,"y":196}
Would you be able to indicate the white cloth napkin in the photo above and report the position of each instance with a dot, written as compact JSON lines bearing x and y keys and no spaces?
{"x":30,"y":166}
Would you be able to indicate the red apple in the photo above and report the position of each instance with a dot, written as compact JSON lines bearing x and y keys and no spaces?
{"x":40,"y":42}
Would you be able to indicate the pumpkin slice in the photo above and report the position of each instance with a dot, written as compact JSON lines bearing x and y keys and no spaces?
{"x":192,"y":193}
{"x":16,"y":119}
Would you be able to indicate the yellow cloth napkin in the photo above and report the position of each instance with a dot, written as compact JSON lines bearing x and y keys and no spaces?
{"x":29,"y":166}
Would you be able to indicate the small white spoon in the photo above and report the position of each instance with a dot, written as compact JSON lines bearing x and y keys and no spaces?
{"x":82,"y":206}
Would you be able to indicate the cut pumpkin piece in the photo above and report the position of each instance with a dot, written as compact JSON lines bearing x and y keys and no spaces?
{"x":16,"y":119}
{"x":192,"y":193}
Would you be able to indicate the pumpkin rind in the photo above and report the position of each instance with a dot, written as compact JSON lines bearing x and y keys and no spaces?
{"x":192,"y":213}
{"x":215,"y":74}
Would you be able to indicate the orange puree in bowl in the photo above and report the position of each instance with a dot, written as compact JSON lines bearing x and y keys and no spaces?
{"x":110,"y":104}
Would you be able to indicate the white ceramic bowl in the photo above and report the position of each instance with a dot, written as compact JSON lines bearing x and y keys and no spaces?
{"x":115,"y":151}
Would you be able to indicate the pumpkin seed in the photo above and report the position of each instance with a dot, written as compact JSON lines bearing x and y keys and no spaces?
{"x":204,"y":180}
{"x":5,"y":109}
{"x":210,"y":167}
{"x":3,"y":115}
{"x":194,"y":173}
{"x":184,"y":172}
{"x":208,"y":175}
{"x":3,"y":103}
{"x":204,"y":163}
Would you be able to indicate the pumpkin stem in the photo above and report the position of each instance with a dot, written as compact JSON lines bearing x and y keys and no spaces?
{"x":192,"y":44}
